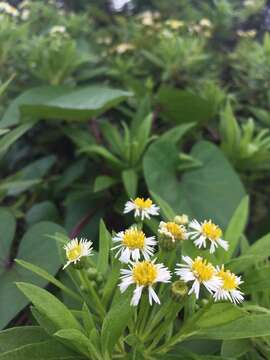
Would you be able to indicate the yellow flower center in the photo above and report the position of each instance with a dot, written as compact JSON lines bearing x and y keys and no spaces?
{"x":211,"y":231}
{"x":134,"y":239}
{"x":143,"y":204}
{"x":229,"y":279}
{"x":74,"y":253}
{"x":176,"y":230}
{"x":144,"y":273}
{"x":202,"y":270}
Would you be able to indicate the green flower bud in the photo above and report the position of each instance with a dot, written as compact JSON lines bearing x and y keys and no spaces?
{"x":179,"y":290}
{"x":99,"y":279}
{"x":166,"y":242}
{"x":92,"y":273}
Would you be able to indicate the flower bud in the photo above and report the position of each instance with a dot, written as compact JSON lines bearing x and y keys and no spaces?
{"x":166,"y":242}
{"x":181,"y":219}
{"x":179,"y":290}
{"x":92,"y":273}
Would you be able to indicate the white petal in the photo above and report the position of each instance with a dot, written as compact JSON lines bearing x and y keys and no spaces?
{"x":136,"y":296}
{"x":152,"y":295}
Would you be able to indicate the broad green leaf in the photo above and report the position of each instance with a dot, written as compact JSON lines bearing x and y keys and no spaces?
{"x":257,"y":280}
{"x":32,"y":96}
{"x":175,"y":134}
{"x":104,"y":248}
{"x":219,"y":314}
{"x":130,"y":180}
{"x":45,"y":350}
{"x":75,"y":104}
{"x":250,"y":326}
{"x":48,"y":304}
{"x":75,"y":338}
{"x":212,"y":191}
{"x":19,"y":336}
{"x":260,"y":248}
{"x":36,"y":248}
{"x":116,"y":321}
{"x":88,"y":321}
{"x":182,"y":106}
{"x":104,"y":182}
{"x":45,"y":210}
{"x":235,"y":348}
{"x":236,"y":227}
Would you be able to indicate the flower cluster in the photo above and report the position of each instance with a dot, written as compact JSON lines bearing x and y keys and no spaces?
{"x":134,"y":248}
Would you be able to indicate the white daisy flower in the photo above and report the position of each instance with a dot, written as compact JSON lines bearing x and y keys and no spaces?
{"x":57,"y":29}
{"x":76,"y":249}
{"x":133,"y":244}
{"x":8,"y":9}
{"x":144,"y":274}
{"x":142,"y":208}
{"x":200,"y":273}
{"x":207,"y":230}
{"x":229,"y":290}
{"x":172,"y":230}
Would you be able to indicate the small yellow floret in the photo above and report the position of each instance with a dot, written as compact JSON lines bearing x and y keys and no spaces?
{"x":203,"y":271}
{"x":229,"y":279}
{"x":144,"y":273}
{"x":74,"y":253}
{"x":176,"y":230}
{"x":143,"y":204}
{"x":211,"y":230}
{"x":134,"y":239}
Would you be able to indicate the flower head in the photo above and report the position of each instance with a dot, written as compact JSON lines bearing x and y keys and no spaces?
{"x":58,"y":29}
{"x":229,"y":290}
{"x":200,"y":272}
{"x":133,"y":244}
{"x":124,"y":47}
{"x":143,"y":208}
{"x":76,"y":249}
{"x":172,"y":230}
{"x":205,"y":23}
{"x":144,"y":274}
{"x":207,"y":230}
{"x":8,"y":9}
{"x":175,"y":24}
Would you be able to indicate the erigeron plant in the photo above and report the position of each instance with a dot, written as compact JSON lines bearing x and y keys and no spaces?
{"x":147,"y":294}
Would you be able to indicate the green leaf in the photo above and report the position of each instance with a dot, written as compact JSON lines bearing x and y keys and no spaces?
{"x":45,"y":350}
{"x":104,"y":248}
{"x":7,"y":232}
{"x":104,"y":153}
{"x":235,"y":348}
{"x":88,"y":321}
{"x":236,"y":227}
{"x":260,"y":248}
{"x":35,"y":247}
{"x":104,"y":182}
{"x":257,"y":280}
{"x":76,"y":104}
{"x":11,"y":137}
{"x":219,"y":314}
{"x":230,"y":131}
{"x":60,"y":102}
{"x":130,"y":180}
{"x":212,"y":191}
{"x":115,"y":322}
{"x":49,"y":305}
{"x":48,"y":277}
{"x":165,"y":208}
{"x":182,"y":106}
{"x":251,"y":326}
{"x":75,"y":338}
{"x":45,"y":210}
{"x":18,"y":336}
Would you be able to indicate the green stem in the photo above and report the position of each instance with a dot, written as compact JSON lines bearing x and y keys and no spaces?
{"x":86,"y":282}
